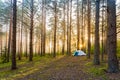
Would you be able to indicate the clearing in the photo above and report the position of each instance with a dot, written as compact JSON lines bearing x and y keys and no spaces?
{"x":59,"y":68}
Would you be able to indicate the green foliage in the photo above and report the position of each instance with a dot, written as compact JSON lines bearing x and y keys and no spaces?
{"x":25,"y":67}
{"x":4,"y":55}
{"x":95,"y":70}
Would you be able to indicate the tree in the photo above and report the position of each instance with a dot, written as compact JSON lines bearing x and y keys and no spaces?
{"x":64,"y":28}
{"x":83,"y":18}
{"x":89,"y":28}
{"x":43,"y":29}
{"x":113,"y":65}
{"x":21,"y":31}
{"x":69,"y":18}
{"x":10,"y":33}
{"x":97,"y":44}
{"x":69,"y":50}
{"x":55,"y":26}
{"x":102,"y":25}
{"x":31,"y":32}
{"x":13,"y":66}
{"x":78,"y":27}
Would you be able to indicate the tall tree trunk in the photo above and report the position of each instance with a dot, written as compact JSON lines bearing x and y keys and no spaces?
{"x":21,"y":32}
{"x":55,"y":27}
{"x":31,"y":32}
{"x":9,"y":41}
{"x":113,"y":65}
{"x":6,"y":44}
{"x":105,"y":27}
{"x":64,"y":30}
{"x":102,"y":42}
{"x":97,"y":44}
{"x":82,"y":26}
{"x":19,"y":56}
{"x":13,"y":66}
{"x":43,"y":29}
{"x":89,"y":27}
{"x":68,"y":26}
{"x":78,"y":27}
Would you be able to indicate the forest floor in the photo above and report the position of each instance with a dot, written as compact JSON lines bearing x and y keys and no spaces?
{"x":59,"y":68}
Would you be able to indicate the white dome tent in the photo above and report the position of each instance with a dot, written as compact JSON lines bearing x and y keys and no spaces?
{"x":79,"y":53}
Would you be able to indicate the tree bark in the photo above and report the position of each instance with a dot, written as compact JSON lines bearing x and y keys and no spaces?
{"x":97,"y":44}
{"x":83,"y":26}
{"x":70,"y":27}
{"x":102,"y":42}
{"x":89,"y":27}
{"x":43,"y":29}
{"x":31,"y":32}
{"x":113,"y":65}
{"x":78,"y":27}
{"x":67,"y":26}
{"x":55,"y":26}
{"x":9,"y":40}
{"x":21,"y":32}
{"x":13,"y":66}
{"x":64,"y":30}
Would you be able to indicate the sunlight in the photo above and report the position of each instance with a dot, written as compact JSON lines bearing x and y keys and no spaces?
{"x":81,"y":46}
{"x":50,"y":46}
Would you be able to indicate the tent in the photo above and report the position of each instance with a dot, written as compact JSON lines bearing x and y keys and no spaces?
{"x":79,"y":53}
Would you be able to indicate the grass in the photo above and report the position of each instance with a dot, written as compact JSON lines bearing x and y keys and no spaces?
{"x":96,"y":70}
{"x":24,"y":67}
{"x":47,"y":67}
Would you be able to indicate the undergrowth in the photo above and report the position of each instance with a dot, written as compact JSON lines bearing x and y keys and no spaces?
{"x":96,"y":70}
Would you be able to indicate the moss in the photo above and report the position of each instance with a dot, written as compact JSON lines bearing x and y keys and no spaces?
{"x":24,"y":67}
{"x":96,"y":70}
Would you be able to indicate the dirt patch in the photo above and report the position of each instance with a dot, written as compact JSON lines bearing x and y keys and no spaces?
{"x":67,"y":68}
{"x":64,"y":68}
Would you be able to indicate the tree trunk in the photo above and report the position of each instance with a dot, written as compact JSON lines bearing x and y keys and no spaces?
{"x":21,"y":32}
{"x":9,"y":41}
{"x":82,"y":27}
{"x":68,"y":26}
{"x":102,"y":42}
{"x":19,"y":54}
{"x":64,"y":30}
{"x":14,"y":36}
{"x":113,"y":65}
{"x":78,"y":27}
{"x":55,"y":26}
{"x":43,"y":29}
{"x":31,"y":32}
{"x":97,"y":44}
{"x":89,"y":27}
